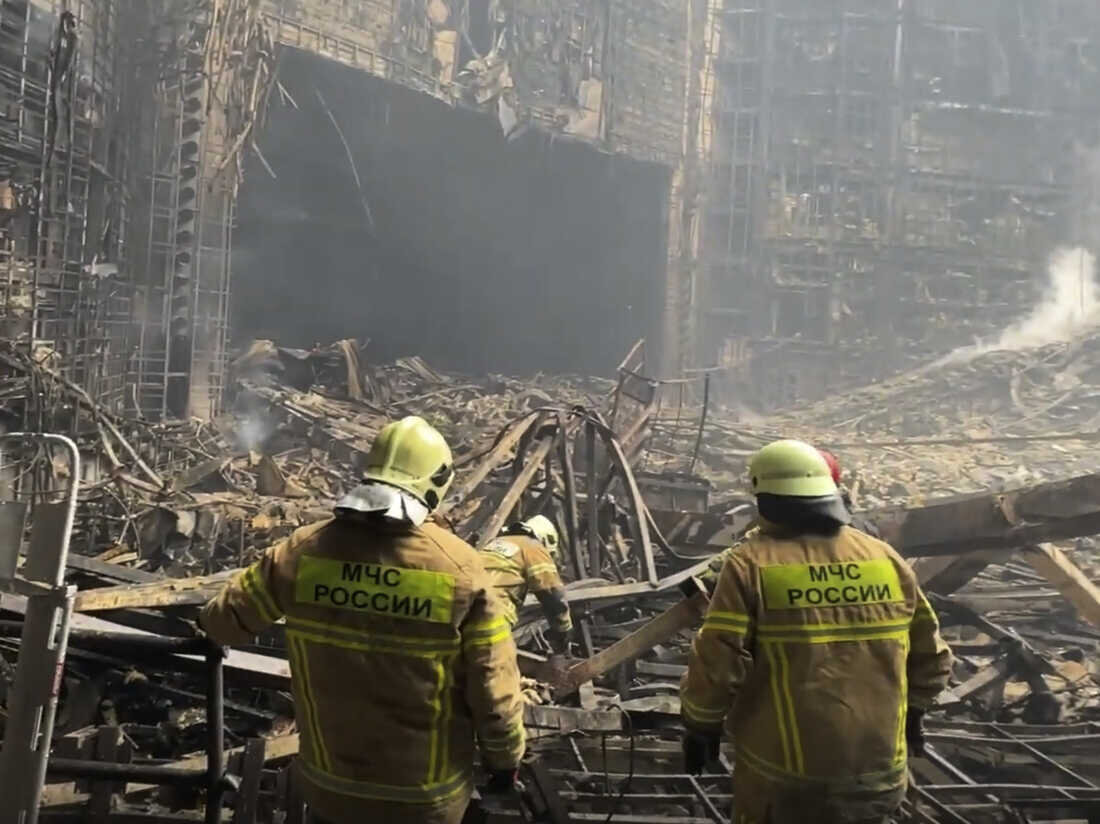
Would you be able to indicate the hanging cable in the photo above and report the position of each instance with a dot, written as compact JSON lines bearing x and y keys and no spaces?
{"x":630,"y":769}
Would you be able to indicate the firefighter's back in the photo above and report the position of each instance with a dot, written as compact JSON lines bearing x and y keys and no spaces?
{"x":827,"y":698}
{"x":375,"y":629}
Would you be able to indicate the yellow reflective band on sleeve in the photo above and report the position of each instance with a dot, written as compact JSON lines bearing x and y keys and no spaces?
{"x":486,"y":634}
{"x":253,"y":586}
{"x":704,"y":715}
{"x":563,"y":622}
{"x":540,"y":569}
{"x":507,"y":742}
{"x":837,"y":584}
{"x":735,"y":622}
{"x":395,"y":592}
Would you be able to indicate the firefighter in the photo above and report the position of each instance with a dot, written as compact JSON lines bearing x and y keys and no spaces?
{"x":525,"y":560}
{"x":819,"y":654}
{"x":400,"y":656}
{"x":709,"y":577}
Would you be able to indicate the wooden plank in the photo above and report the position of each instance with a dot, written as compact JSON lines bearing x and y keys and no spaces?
{"x":572,"y":719}
{"x":1067,"y":578}
{"x":995,"y":520}
{"x":946,"y":574}
{"x":251,"y":771}
{"x":241,"y":668}
{"x":985,"y":679}
{"x":106,"y":749}
{"x":275,"y":749}
{"x":167,"y":592}
{"x":680,"y":616}
{"x":518,"y":487}
{"x":470,"y":482}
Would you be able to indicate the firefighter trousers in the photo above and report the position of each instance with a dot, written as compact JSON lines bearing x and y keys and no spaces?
{"x":384,"y":812}
{"x":762,"y":802}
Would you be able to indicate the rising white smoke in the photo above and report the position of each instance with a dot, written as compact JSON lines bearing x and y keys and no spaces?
{"x":1069,"y":307}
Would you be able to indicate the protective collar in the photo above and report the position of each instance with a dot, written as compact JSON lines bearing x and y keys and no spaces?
{"x":822,"y":515}
{"x":383,"y":500}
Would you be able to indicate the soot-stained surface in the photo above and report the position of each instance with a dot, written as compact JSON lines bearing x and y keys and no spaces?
{"x":479,"y":254}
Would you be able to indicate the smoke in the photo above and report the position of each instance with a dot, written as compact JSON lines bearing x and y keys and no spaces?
{"x":1069,"y":307}
{"x":252,"y":431}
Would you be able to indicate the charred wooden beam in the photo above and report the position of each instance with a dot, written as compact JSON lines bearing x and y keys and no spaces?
{"x":680,"y":616}
{"x":997,"y":520}
{"x":1056,"y":567}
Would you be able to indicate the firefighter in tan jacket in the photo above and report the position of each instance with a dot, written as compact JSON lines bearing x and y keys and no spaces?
{"x":525,"y":560}
{"x":400,"y":656}
{"x":819,"y":654}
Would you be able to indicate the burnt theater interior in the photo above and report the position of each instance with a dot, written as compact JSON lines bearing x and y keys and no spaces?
{"x":609,"y":250}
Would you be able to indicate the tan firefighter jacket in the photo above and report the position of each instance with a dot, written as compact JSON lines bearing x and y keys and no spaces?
{"x":810,"y":653}
{"x":518,"y":564}
{"x":399,"y":658}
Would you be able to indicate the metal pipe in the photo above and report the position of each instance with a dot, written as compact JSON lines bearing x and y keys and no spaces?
{"x":131,"y":642}
{"x":702,"y":423}
{"x":109,"y":770}
{"x":215,"y":731}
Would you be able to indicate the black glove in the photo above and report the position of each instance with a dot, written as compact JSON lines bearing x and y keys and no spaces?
{"x":914,"y":731}
{"x":501,"y":781}
{"x":700,"y":749}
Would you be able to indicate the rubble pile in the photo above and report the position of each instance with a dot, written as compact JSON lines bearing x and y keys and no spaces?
{"x":169,"y":511}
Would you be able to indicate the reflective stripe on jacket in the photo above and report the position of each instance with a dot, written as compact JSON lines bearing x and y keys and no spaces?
{"x":811,"y":651}
{"x":399,"y":657}
{"x":518,"y":564}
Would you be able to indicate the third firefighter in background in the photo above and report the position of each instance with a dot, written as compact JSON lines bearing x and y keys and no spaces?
{"x":819,"y":654}
{"x":524,"y":560}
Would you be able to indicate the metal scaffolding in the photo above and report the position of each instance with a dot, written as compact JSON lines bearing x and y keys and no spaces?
{"x":887,"y":177}
{"x":65,"y":295}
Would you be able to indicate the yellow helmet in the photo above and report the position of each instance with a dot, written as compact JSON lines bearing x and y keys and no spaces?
{"x":543,"y":529}
{"x":412,"y":456}
{"x":791,"y":468}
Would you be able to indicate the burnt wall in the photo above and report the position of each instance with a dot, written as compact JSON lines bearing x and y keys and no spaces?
{"x":478,"y":253}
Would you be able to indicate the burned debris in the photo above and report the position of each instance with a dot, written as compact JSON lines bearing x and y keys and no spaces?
{"x":175,"y":510}
{"x":866,"y":224}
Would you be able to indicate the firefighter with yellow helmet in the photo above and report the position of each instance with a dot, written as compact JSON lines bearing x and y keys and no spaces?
{"x":818,"y":655}
{"x":401,"y":658}
{"x":524,"y":560}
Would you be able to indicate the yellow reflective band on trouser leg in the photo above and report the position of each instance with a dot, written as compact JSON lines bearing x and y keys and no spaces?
{"x":300,"y":670}
{"x":777,"y":700}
